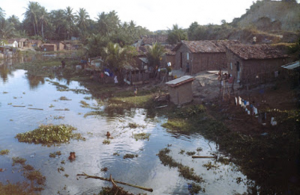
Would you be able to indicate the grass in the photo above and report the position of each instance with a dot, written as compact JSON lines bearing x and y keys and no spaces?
{"x":50,"y":134}
{"x":23,"y":188}
{"x":4,"y":152}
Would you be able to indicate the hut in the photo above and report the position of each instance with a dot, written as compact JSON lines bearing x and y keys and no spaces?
{"x":253,"y":64}
{"x":196,"y":56}
{"x":49,"y":47}
{"x":180,"y":90}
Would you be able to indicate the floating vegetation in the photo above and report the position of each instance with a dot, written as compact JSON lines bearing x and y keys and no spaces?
{"x":36,"y":108}
{"x":35,"y":175}
{"x":116,"y":154}
{"x":17,"y":189}
{"x":18,"y":106}
{"x":184,"y":171}
{"x":199,"y":149}
{"x":87,"y":98}
{"x":50,"y":134}
{"x":28,"y":167}
{"x":181,"y":151}
{"x":66,"y":175}
{"x":104,"y":169}
{"x":51,"y":106}
{"x":15,"y":97}
{"x":54,"y":154}
{"x":84,"y":104}
{"x":141,"y":136}
{"x":223,"y":160}
{"x":190,"y":153}
{"x":177,"y":125}
{"x":129,"y":156}
{"x":18,"y":160}
{"x":209,"y":165}
{"x":93,"y":113}
{"x":106,"y":141}
{"x":5,"y":92}
{"x":11,"y":120}
{"x":58,"y":117}
{"x":9,"y":103}
{"x":135,"y":125}
{"x":60,"y":169}
{"x":64,"y":98}
{"x":194,"y":188}
{"x":4,"y":152}
{"x":66,"y":109}
{"x":63,"y":162}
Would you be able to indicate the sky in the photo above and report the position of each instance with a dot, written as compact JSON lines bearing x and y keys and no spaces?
{"x":152,"y":14}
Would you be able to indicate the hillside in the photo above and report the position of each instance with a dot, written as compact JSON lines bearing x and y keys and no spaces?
{"x":271,"y":16}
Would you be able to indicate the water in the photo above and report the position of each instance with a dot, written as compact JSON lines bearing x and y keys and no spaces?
{"x":16,"y":89}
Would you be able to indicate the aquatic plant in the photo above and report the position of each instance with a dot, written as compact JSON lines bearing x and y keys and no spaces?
{"x":28,"y":167}
{"x":50,"y":134}
{"x":184,"y":171}
{"x":116,"y":154}
{"x":194,"y":188}
{"x":141,"y":136}
{"x":64,"y":98}
{"x":52,"y":155}
{"x":35,"y":175}
{"x":84,"y":104}
{"x":18,"y":160}
{"x":190,"y":153}
{"x":17,"y":189}
{"x":129,"y":156}
{"x":199,"y":149}
{"x":181,"y":151}
{"x":106,"y":141}
{"x":209,"y":165}
{"x":4,"y":152}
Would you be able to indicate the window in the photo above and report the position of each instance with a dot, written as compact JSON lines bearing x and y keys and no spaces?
{"x":230,"y":65}
{"x":188,"y":56}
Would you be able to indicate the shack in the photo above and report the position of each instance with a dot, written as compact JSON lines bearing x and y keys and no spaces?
{"x":254,"y":64}
{"x":180,"y":90}
{"x":196,"y":56}
{"x":49,"y":47}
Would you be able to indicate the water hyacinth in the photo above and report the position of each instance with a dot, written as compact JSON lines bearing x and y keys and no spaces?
{"x":50,"y":134}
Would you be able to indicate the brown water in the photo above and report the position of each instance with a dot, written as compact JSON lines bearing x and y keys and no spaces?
{"x":92,"y":155}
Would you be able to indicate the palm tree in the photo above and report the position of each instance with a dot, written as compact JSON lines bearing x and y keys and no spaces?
{"x":81,"y":19}
{"x":31,"y":15}
{"x":7,"y":29}
{"x":154,"y":55}
{"x":114,"y":55}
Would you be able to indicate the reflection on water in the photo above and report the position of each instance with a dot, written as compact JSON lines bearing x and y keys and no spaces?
{"x":92,"y":155}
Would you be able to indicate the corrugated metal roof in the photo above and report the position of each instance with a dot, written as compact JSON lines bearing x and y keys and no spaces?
{"x":145,"y":60}
{"x":292,"y":66}
{"x":180,"y":81}
{"x":205,"y":46}
{"x":259,"y":51}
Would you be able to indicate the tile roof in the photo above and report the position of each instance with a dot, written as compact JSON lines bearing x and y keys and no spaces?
{"x":259,"y":51}
{"x":206,"y":46}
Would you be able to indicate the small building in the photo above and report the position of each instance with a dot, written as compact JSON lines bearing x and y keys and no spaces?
{"x":34,"y":43}
{"x":201,"y":55}
{"x":22,"y":42}
{"x":11,"y":43}
{"x":253,"y":64}
{"x":49,"y":47}
{"x":180,"y":90}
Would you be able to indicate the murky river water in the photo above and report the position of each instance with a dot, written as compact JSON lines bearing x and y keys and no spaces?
{"x":16,"y":89}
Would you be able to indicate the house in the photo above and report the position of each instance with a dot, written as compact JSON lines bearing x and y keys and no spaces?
{"x":11,"y":43}
{"x":254,"y":63}
{"x":168,"y":57}
{"x":200,"y":55}
{"x":180,"y":90}
{"x":49,"y":47}
{"x":22,"y":42}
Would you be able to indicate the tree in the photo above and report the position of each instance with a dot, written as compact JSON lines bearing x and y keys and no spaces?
{"x":43,"y":19}
{"x":108,"y":23}
{"x":191,"y":31}
{"x":70,"y":21}
{"x":95,"y":45}
{"x":176,"y":35}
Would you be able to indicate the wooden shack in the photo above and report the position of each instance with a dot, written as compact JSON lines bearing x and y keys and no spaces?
{"x":200,"y":55}
{"x":253,"y":64}
{"x":49,"y":47}
{"x":180,"y":90}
